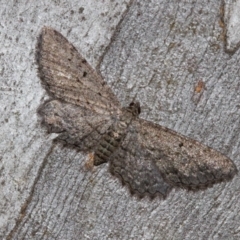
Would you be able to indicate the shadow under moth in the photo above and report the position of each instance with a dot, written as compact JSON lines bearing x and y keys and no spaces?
{"x":83,"y":110}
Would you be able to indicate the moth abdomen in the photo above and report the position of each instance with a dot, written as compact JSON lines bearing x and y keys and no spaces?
{"x":107,"y":146}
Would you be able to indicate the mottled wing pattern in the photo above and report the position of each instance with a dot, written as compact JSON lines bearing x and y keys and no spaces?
{"x":135,"y":166}
{"x":76,"y":125}
{"x":66,"y":75}
{"x":151,"y":159}
{"x":182,"y":162}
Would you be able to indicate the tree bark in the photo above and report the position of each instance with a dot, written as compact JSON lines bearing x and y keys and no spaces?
{"x":173,"y":57}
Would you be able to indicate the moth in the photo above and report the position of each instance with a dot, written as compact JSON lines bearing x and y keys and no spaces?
{"x":85,"y":113}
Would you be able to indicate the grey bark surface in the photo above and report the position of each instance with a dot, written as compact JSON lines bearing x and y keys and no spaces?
{"x":169,"y":55}
{"x":232,"y":19}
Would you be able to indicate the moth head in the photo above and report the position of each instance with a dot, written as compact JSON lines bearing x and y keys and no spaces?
{"x":134,"y":108}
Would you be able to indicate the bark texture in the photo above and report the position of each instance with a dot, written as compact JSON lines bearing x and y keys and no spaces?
{"x":169,"y":55}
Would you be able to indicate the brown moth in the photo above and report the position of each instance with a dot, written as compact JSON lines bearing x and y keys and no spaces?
{"x":149,"y":158}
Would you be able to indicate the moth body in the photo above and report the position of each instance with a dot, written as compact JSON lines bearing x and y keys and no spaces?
{"x":116,"y":134}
